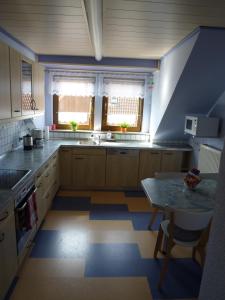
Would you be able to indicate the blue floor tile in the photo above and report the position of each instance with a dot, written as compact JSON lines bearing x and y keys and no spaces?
{"x":71,"y":203}
{"x":109,"y":215}
{"x":109,"y":207}
{"x":141,"y":220}
{"x":134,"y":194}
{"x":182,"y":279}
{"x":58,"y":244}
{"x":108,"y":252}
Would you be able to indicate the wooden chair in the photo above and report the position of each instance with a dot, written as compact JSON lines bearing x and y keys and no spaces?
{"x":162,"y":175}
{"x":188,"y":229}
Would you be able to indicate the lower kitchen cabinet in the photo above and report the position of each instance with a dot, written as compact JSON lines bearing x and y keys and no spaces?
{"x":150,"y":162}
{"x":122,"y":168}
{"x":47,"y":184}
{"x":171,"y":161}
{"x":8,"y":253}
{"x":88,"y":168}
{"x":65,"y":159}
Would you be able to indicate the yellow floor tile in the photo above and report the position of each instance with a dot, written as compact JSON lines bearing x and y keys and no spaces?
{"x":82,"y":289}
{"x":138,"y":204}
{"x":64,"y":219}
{"x":105,"y":197}
{"x":39,"y":268}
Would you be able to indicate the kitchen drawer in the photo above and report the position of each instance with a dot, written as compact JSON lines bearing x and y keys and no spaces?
{"x":84,"y":151}
{"x":123,"y":151}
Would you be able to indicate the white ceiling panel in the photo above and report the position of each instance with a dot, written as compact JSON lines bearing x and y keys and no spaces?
{"x":143,"y":29}
{"x":48,"y":27}
{"x":131,"y":28}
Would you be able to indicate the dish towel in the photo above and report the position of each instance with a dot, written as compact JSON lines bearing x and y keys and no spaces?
{"x":31,"y":212}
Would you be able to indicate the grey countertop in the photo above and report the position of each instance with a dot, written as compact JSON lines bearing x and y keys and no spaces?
{"x":33,"y":160}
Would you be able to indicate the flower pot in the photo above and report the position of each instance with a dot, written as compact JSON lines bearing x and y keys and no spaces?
{"x":74,"y":128}
{"x":123,"y":129}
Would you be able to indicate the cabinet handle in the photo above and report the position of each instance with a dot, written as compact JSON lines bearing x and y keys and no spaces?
{"x":168,"y":153}
{"x":6,"y":214}
{"x":65,"y":150}
{"x":123,"y":152}
{"x":154,"y":153}
{"x":79,"y":158}
{"x":17,"y":110}
{"x":2,"y":237}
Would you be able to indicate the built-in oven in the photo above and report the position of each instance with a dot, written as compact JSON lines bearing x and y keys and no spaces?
{"x":21,"y":183}
{"x":26,"y":217}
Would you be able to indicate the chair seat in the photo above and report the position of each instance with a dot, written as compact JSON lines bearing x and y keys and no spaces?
{"x":187,"y":238}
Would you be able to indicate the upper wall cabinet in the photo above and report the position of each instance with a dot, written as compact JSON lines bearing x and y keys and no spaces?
{"x":38,"y":88}
{"x":28,"y":103}
{"x":15,"y":76}
{"x":5,"y":104}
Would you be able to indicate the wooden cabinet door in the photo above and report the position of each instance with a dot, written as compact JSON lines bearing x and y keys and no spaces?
{"x":96,"y":171}
{"x":171,"y":161}
{"x":122,"y":168}
{"x":150,"y":162}
{"x":5,"y":102}
{"x":8,"y":252}
{"x":65,"y":167}
{"x":38,"y":88}
{"x":27,"y":87}
{"x":79,"y":170}
{"x":15,"y":76}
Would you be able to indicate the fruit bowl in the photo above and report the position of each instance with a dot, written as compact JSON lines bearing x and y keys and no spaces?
{"x":192,"y":179}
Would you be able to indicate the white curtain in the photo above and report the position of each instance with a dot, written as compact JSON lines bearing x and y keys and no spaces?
{"x":72,"y":86}
{"x":123,"y":88}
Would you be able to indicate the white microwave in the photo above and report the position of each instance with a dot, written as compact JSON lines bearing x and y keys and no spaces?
{"x":201,"y":126}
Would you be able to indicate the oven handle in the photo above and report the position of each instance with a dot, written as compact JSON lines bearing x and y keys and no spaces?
{"x":21,"y":208}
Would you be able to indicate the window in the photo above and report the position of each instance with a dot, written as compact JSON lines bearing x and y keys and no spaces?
{"x":73,"y":100}
{"x":123,"y":104}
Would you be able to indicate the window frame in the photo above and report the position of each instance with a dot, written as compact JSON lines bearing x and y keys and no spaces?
{"x":67,"y":126}
{"x":106,"y":127}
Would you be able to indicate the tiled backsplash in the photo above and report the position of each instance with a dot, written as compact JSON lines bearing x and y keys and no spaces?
{"x":10,"y":132}
{"x":128,"y":136}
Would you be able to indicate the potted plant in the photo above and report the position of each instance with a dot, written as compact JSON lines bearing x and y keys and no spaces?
{"x":74,"y":125}
{"x":124,"y":126}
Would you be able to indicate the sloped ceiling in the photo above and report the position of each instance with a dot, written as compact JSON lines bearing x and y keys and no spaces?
{"x":131,"y":28}
{"x":199,"y":86}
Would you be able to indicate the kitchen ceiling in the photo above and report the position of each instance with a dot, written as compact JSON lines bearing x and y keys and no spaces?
{"x":131,"y":28}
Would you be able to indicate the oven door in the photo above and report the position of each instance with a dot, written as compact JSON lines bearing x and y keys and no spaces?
{"x":26,"y":219}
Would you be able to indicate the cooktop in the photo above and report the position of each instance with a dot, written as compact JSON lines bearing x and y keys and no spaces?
{"x":10,"y":178}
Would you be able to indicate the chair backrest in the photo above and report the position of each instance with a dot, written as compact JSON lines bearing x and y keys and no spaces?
{"x":168,"y":175}
{"x":192,"y":220}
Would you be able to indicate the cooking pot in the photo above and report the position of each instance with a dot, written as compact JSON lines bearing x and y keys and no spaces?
{"x":27,"y":142}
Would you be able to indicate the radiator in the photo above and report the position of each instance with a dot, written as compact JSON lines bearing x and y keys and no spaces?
{"x":209,"y":159}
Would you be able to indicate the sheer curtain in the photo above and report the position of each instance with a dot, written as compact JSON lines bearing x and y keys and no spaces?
{"x":72,"y":86}
{"x":123,"y":88}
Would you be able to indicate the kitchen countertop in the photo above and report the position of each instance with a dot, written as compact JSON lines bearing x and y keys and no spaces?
{"x":33,"y":160}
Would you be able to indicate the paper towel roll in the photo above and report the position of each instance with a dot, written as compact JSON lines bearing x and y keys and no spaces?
{"x":46,"y":133}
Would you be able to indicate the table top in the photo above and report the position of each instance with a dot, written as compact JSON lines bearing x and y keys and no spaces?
{"x":173,"y":194}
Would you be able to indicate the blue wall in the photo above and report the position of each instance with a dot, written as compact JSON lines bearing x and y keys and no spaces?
{"x":199,"y":86}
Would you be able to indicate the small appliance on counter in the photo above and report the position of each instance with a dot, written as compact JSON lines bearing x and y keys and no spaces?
{"x":38,"y":138}
{"x":27,"y":142}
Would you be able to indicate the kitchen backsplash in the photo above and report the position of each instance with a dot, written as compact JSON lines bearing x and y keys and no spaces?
{"x":10,"y":132}
{"x":128,"y":136}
